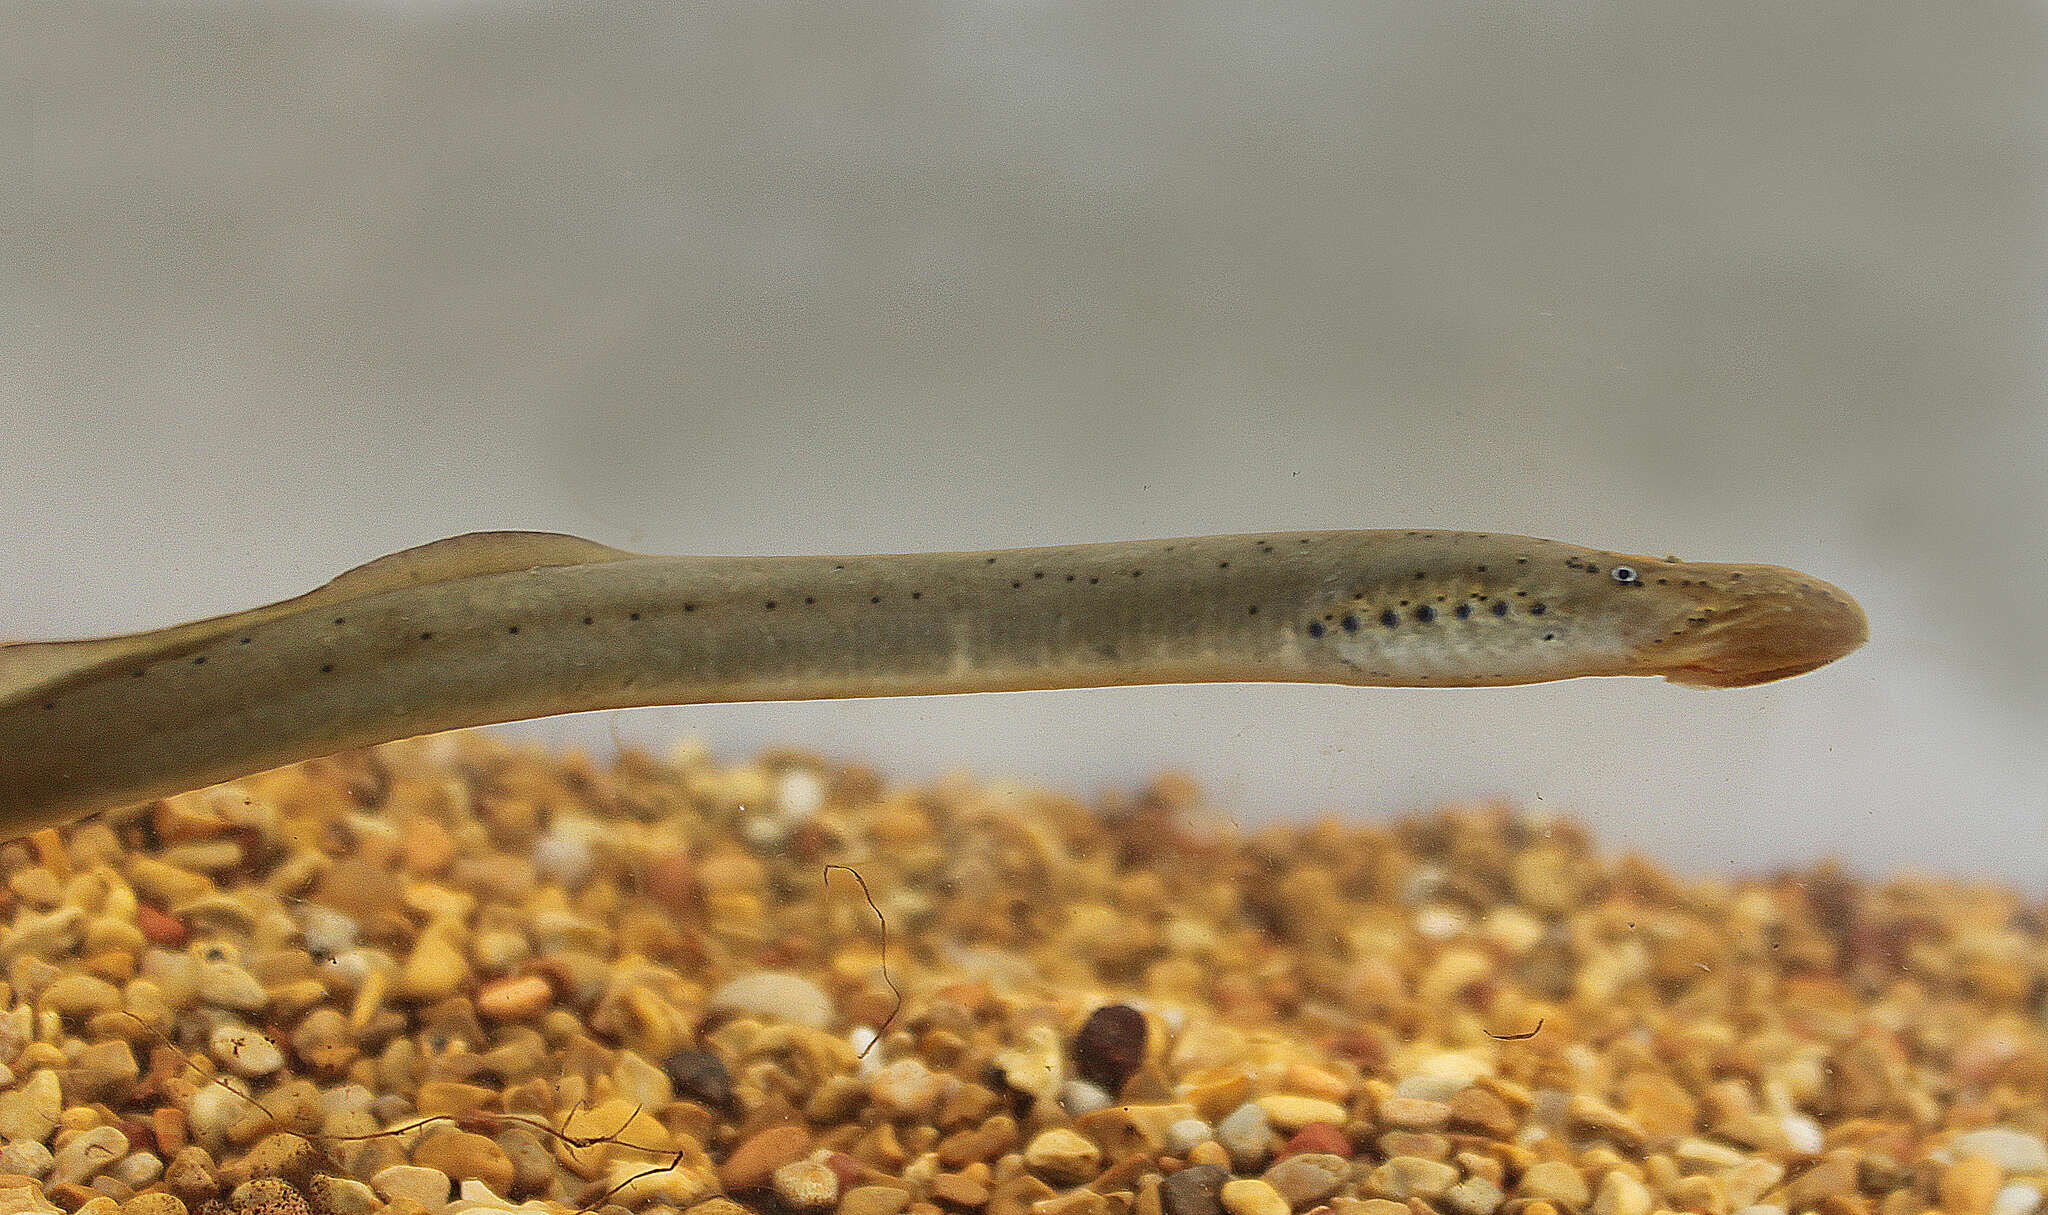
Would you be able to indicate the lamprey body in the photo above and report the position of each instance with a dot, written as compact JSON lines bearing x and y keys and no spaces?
{"x":504,"y":626}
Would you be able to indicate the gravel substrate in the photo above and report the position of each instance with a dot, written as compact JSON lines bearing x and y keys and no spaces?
{"x":451,"y":974}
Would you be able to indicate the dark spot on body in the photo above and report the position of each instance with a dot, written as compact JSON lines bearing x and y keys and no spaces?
{"x":512,"y":628}
{"x":590,"y":620}
{"x":1550,"y":637}
{"x":327,"y":668}
{"x":1537,"y":609}
{"x":1390,"y":618}
{"x":1315,"y":628}
{"x":1500,"y":607}
{"x":1425,"y":613}
{"x":874,"y":599}
{"x":1463,"y":611}
{"x":1351,"y":624}
{"x":1253,"y":610}
{"x":429,"y":636}
{"x":199,"y":660}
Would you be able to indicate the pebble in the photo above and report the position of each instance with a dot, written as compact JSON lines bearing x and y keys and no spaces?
{"x":342,"y":1196}
{"x":24,"y":1157}
{"x":1554,"y":1181}
{"x":2015,"y":1151}
{"x":699,"y":1076}
{"x":155,"y":1203}
{"x":225,"y":984}
{"x":1195,"y":1190}
{"x":100,"y":1067}
{"x":412,"y":1183}
{"x":1290,"y":1113}
{"x":1414,"y":1177}
{"x":564,"y":855}
{"x":1621,"y":1194}
{"x":806,"y":1185}
{"x":190,"y":1175}
{"x":245,"y":1051}
{"x":23,"y":1196}
{"x":874,"y":1200}
{"x":80,"y":996}
{"x":776,"y":996}
{"x":1321,"y":1137}
{"x":1110,"y":1046}
{"x":86,"y":1154}
{"x":515,"y":999}
{"x":756,"y":1158}
{"x":31,"y":1111}
{"x":1079,"y":1097}
{"x":1474,"y":1196}
{"x":1247,"y":1135}
{"x":1967,"y":1186}
{"x":463,"y":1154}
{"x":1063,"y":1157}
{"x":1414,"y":1113}
{"x":267,"y":1196}
{"x":434,"y":970}
{"x":138,"y":1168}
{"x":1306,"y":1179}
{"x":1251,"y":1196}
{"x":905,"y":1089}
{"x":1183,"y":1135}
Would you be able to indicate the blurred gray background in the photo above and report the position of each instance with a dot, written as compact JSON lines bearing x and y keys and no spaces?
{"x":290,"y":285}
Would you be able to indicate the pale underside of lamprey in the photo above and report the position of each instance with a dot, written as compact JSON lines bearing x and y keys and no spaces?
{"x":504,"y":626}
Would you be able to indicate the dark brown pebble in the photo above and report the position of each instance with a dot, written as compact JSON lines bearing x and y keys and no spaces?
{"x":1195,"y":1190}
{"x":699,"y":1076}
{"x":1110,"y":1046}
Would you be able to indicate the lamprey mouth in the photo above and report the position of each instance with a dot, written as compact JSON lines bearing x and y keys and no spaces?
{"x":1773,"y":623}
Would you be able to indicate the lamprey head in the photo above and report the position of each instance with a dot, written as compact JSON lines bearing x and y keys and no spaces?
{"x":1732,"y":626}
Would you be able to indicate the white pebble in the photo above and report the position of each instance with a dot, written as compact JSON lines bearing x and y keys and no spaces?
{"x":1437,"y":922}
{"x":1247,"y":1135}
{"x":212,"y":1109}
{"x":245,"y":1052}
{"x":2016,"y":1151}
{"x":326,"y":931}
{"x":800,"y":794}
{"x":1803,"y":1134}
{"x":1079,"y":1097}
{"x":776,"y":996}
{"x":1442,"y":1075}
{"x":1183,"y":1136}
{"x":139,"y":1169}
{"x":564,"y":854}
{"x":2017,"y":1198}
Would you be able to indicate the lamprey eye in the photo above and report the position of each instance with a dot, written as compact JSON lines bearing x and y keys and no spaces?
{"x":1624,"y":573}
